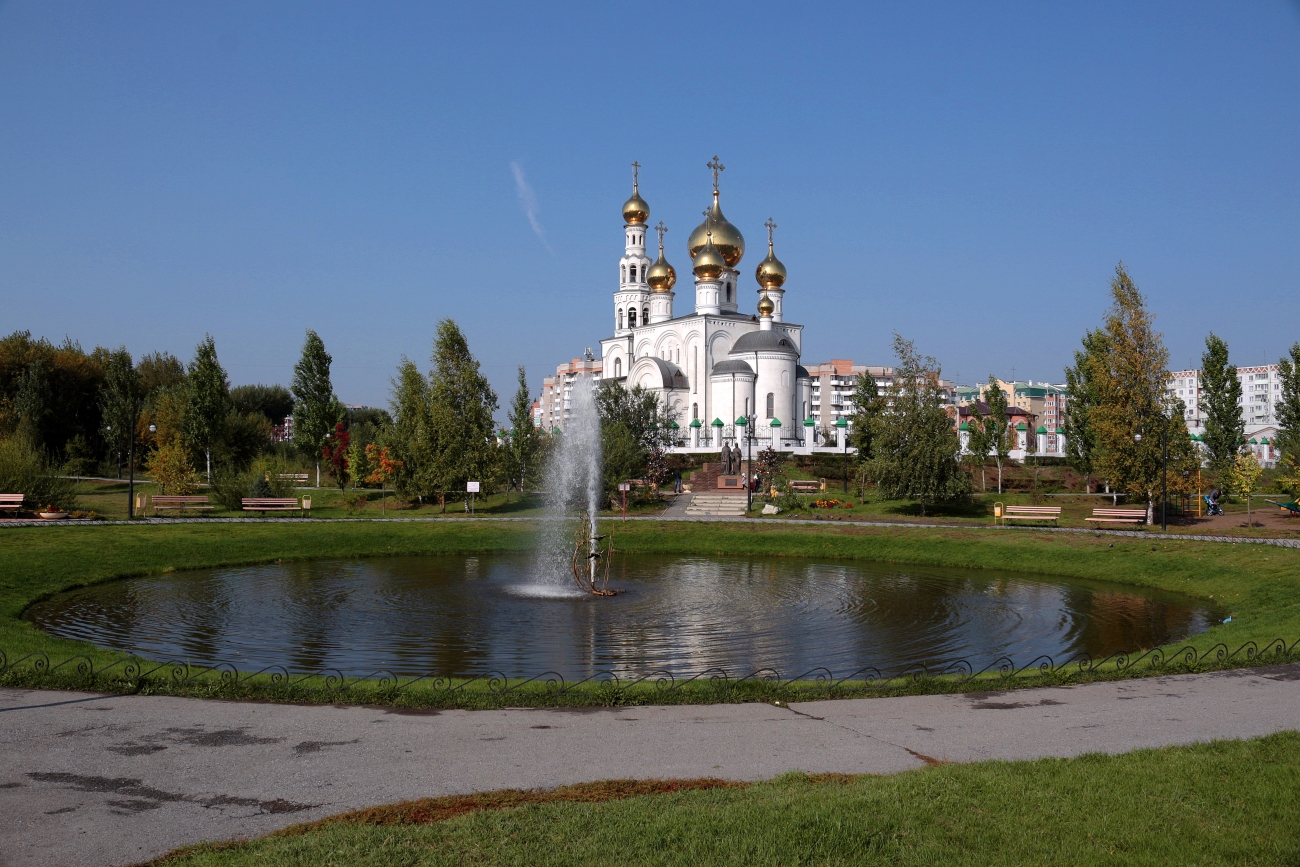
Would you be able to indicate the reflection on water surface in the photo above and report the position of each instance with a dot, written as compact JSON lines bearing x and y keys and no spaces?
{"x":456,"y":614}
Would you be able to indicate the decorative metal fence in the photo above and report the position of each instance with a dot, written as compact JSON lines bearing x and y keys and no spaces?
{"x":38,"y":667}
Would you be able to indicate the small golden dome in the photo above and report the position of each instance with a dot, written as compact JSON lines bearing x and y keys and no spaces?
{"x":709,"y":261}
{"x":765,"y":306}
{"x":661,"y":275}
{"x":770,"y":273}
{"x":635,"y":209}
{"x":726,"y":237}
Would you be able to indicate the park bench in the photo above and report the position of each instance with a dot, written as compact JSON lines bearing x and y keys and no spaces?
{"x":1031,"y":513}
{"x":807,"y":486}
{"x":1118,"y":516}
{"x":296,"y":478}
{"x":180,"y":504}
{"x":13,"y":502}
{"x":273,"y":504}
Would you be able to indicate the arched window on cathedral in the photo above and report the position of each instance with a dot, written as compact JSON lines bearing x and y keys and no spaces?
{"x":624,"y":270}
{"x":631,"y":317}
{"x":618,"y":367}
{"x":633,"y":273}
{"x":620,"y":319}
{"x":695,"y":412}
{"x":728,"y":291}
{"x":645,"y":314}
{"x":771,"y":405}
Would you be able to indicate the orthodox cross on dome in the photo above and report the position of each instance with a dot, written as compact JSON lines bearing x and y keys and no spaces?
{"x":717,"y":167}
{"x":708,"y":225}
{"x":771,"y":224}
{"x":636,"y":174}
{"x":661,"y":228}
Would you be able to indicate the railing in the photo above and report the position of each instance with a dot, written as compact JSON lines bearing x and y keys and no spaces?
{"x":135,"y":671}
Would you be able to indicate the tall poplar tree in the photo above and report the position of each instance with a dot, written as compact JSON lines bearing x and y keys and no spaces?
{"x":1081,"y":399}
{"x":996,"y":425}
{"x":1287,"y":407}
{"x":315,"y":408}
{"x":461,"y":404}
{"x":119,"y":403}
{"x":209,"y":400}
{"x":916,"y":447}
{"x":1225,"y":428}
{"x":1131,"y":376}
{"x":979,"y":442}
{"x":523,"y":447}
{"x":410,"y":441}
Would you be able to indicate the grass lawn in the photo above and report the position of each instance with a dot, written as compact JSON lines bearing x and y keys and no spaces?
{"x":1258,"y":585}
{"x":1225,"y":803}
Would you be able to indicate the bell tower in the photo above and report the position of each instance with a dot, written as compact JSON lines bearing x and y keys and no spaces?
{"x":632,"y":300}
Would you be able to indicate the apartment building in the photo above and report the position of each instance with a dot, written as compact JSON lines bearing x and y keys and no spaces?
{"x":557,"y":391}
{"x":833,"y":384}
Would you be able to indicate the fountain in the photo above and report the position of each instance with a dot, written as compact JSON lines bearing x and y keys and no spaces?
{"x":573,"y":485}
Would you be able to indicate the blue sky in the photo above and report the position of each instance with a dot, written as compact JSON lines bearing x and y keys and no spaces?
{"x":965,"y":174}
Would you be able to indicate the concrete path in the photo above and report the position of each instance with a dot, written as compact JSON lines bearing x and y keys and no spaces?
{"x":109,"y":780}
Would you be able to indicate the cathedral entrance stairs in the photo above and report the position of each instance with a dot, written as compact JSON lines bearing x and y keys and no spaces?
{"x":717,"y":505}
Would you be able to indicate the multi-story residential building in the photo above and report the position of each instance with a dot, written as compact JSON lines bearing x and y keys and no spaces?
{"x":557,"y":391}
{"x":1045,"y":402}
{"x":537,"y":413}
{"x":1261,"y":387}
{"x":833,"y":384}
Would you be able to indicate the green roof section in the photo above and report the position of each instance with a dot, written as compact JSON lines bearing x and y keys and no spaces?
{"x":1041,"y":429}
{"x":1021,"y":426}
{"x":717,"y":422}
{"x":964,"y":426}
{"x":696,"y":423}
{"x":776,"y":422}
{"x":808,"y":422}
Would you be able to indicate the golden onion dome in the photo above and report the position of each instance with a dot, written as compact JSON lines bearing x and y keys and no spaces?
{"x":765,"y":306}
{"x":770,"y":273}
{"x":726,"y":237}
{"x":709,"y":261}
{"x":661,"y":276}
{"x":635,"y":209}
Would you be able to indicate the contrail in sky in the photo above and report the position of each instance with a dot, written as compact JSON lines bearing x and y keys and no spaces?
{"x":528,"y":202}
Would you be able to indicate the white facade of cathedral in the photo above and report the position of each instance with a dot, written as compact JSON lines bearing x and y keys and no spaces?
{"x":713,"y":362}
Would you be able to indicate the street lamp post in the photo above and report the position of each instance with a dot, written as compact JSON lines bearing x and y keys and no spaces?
{"x":747,"y":423}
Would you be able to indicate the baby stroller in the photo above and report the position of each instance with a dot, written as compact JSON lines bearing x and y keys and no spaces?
{"x":1212,"y":506}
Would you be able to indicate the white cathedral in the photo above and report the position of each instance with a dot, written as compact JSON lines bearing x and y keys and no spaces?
{"x":715,"y":363}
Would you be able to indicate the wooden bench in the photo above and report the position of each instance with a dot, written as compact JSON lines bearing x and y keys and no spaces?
{"x":1118,"y":516}
{"x":807,"y":486}
{"x":296,"y":478}
{"x":272,"y":504}
{"x":11,"y":501}
{"x":180,"y":504}
{"x":1031,"y":513}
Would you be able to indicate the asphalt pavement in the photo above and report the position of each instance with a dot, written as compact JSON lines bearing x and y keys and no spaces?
{"x":97,"y":780}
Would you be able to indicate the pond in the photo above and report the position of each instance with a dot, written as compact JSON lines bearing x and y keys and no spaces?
{"x":459,"y":615}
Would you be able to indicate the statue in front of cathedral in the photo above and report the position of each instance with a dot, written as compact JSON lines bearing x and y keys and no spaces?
{"x":730,"y":460}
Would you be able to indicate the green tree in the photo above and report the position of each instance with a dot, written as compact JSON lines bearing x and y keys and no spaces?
{"x":1287,"y":408}
{"x":461,"y":404}
{"x":1244,"y":474}
{"x":272,"y":402}
{"x":522,"y":442}
{"x":996,"y":425}
{"x":32,"y":405}
{"x":119,"y":402}
{"x":866,"y":406}
{"x":915,"y":444}
{"x":315,"y":408}
{"x":1131,"y":376}
{"x":159,"y":370}
{"x":979,"y":443}
{"x":1225,"y":429}
{"x":209,"y":393}
{"x":1081,"y":398}
{"x":410,"y":444}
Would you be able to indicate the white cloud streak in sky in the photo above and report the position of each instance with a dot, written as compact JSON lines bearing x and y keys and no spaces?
{"x":528,"y":202}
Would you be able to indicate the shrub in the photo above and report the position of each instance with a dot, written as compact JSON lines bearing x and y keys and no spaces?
{"x":23,"y":470}
{"x":169,"y":464}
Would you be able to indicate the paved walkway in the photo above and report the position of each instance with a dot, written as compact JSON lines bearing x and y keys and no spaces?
{"x":109,"y":780}
{"x":1139,"y":534}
